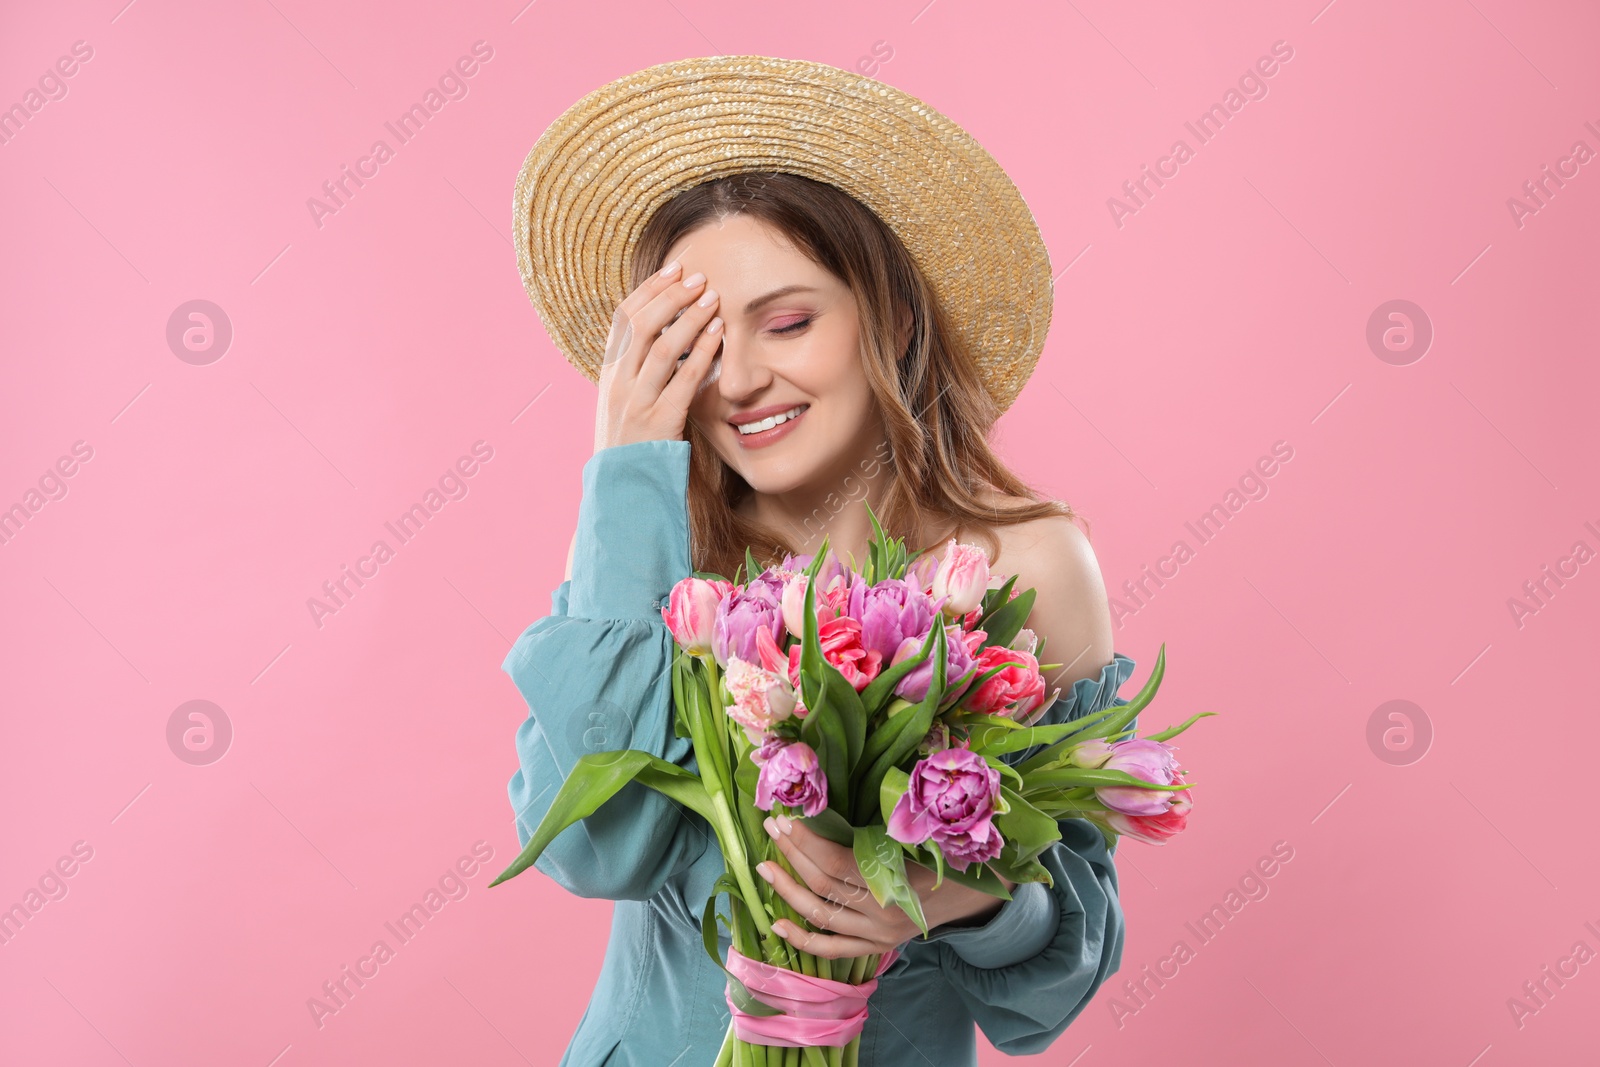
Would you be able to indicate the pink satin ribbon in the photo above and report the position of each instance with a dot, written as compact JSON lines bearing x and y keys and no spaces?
{"x":817,"y":1011}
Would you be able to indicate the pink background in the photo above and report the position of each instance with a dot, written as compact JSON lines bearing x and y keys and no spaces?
{"x":370,"y":752}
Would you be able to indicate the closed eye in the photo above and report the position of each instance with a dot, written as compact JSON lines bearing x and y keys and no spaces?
{"x":794,"y":327}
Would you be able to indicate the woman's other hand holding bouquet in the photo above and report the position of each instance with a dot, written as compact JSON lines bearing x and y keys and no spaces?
{"x":832,"y":894}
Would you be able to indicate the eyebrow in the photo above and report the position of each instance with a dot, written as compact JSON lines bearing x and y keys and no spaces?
{"x":760,"y":301}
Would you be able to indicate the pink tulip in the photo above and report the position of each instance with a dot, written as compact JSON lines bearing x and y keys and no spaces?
{"x":1020,"y":684}
{"x":691,"y":610}
{"x":842,"y":647}
{"x":831,"y":601}
{"x":1154,"y":829}
{"x":760,"y":698}
{"x":962,"y":577}
{"x":794,"y":602}
{"x":771,"y":656}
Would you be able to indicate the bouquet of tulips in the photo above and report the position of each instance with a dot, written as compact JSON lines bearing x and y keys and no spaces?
{"x":876,"y":707}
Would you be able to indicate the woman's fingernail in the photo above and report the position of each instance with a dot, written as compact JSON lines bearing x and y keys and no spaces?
{"x":764,"y":871}
{"x":707,"y":298}
{"x":772,"y":827}
{"x":714,"y":325}
{"x":784,"y":824}
{"x":671,"y":268}
{"x":693,"y":280}
{"x":781,"y":929}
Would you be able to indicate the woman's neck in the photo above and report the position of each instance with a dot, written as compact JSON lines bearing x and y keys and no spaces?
{"x":804,"y":516}
{"x":835,"y":509}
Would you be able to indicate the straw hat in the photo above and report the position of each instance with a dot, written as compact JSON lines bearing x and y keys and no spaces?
{"x":599,"y":172}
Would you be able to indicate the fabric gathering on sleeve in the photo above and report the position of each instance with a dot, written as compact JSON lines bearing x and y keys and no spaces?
{"x":596,"y":676}
{"x":1033,"y":968}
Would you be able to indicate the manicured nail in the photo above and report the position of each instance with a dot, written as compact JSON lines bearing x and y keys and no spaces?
{"x":782,"y":929}
{"x":693,"y":280}
{"x":772,"y":827}
{"x":764,"y":871}
{"x":784,"y":824}
{"x":671,"y":268}
{"x":714,"y":325}
{"x":707,"y":298}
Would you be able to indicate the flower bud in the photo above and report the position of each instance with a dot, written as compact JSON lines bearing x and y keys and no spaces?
{"x":962,"y":578}
{"x":691,"y":612}
{"x":1090,"y":754}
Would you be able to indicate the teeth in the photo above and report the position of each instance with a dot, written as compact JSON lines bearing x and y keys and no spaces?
{"x":771,"y":421}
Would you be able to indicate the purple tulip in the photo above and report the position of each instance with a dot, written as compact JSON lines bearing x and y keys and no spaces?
{"x":832,"y":569}
{"x":755,"y":605}
{"x":790,"y":775}
{"x":891,"y":612}
{"x":950,"y":799}
{"x":922,"y":571}
{"x":937,"y":739}
{"x":957,"y":662}
{"x":978,"y":845}
{"x":1140,"y":757}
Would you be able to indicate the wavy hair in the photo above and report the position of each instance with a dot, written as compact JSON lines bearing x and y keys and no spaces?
{"x":937,"y":413}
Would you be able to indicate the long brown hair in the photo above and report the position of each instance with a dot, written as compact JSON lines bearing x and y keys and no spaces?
{"x":937,"y":413}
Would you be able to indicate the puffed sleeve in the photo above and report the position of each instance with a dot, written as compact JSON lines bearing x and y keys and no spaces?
{"x":596,"y":676}
{"x":1028,"y":972}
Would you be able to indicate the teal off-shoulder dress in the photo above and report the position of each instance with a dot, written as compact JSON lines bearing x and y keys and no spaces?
{"x":595,"y":675}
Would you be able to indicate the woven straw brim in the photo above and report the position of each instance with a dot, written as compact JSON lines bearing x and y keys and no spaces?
{"x":599,"y":172}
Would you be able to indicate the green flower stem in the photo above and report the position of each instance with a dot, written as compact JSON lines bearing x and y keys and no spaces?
{"x":711,"y":754}
{"x":778,"y":948}
{"x":725,"y":1053}
{"x":718,"y":717}
{"x":738,"y":861}
{"x":804,"y":962}
{"x":711,"y":735}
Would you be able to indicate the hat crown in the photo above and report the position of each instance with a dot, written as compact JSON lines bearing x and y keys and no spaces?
{"x":599,"y":172}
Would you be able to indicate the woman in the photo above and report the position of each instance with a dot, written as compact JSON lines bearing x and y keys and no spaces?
{"x":785,"y":354}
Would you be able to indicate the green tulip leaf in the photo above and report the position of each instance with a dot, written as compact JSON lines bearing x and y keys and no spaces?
{"x":830,"y":824}
{"x":595,"y":778}
{"x":911,"y":734}
{"x":882,"y":862}
{"x":1174,"y":731}
{"x":890,"y":790}
{"x":994,"y":599}
{"x":1025,"y":829}
{"x":1003,"y":624}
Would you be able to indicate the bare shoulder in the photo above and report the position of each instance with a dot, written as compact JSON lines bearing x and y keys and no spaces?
{"x":1071,"y":612}
{"x":1052,"y":542}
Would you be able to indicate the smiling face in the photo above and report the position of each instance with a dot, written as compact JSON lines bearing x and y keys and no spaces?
{"x":800,"y":348}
